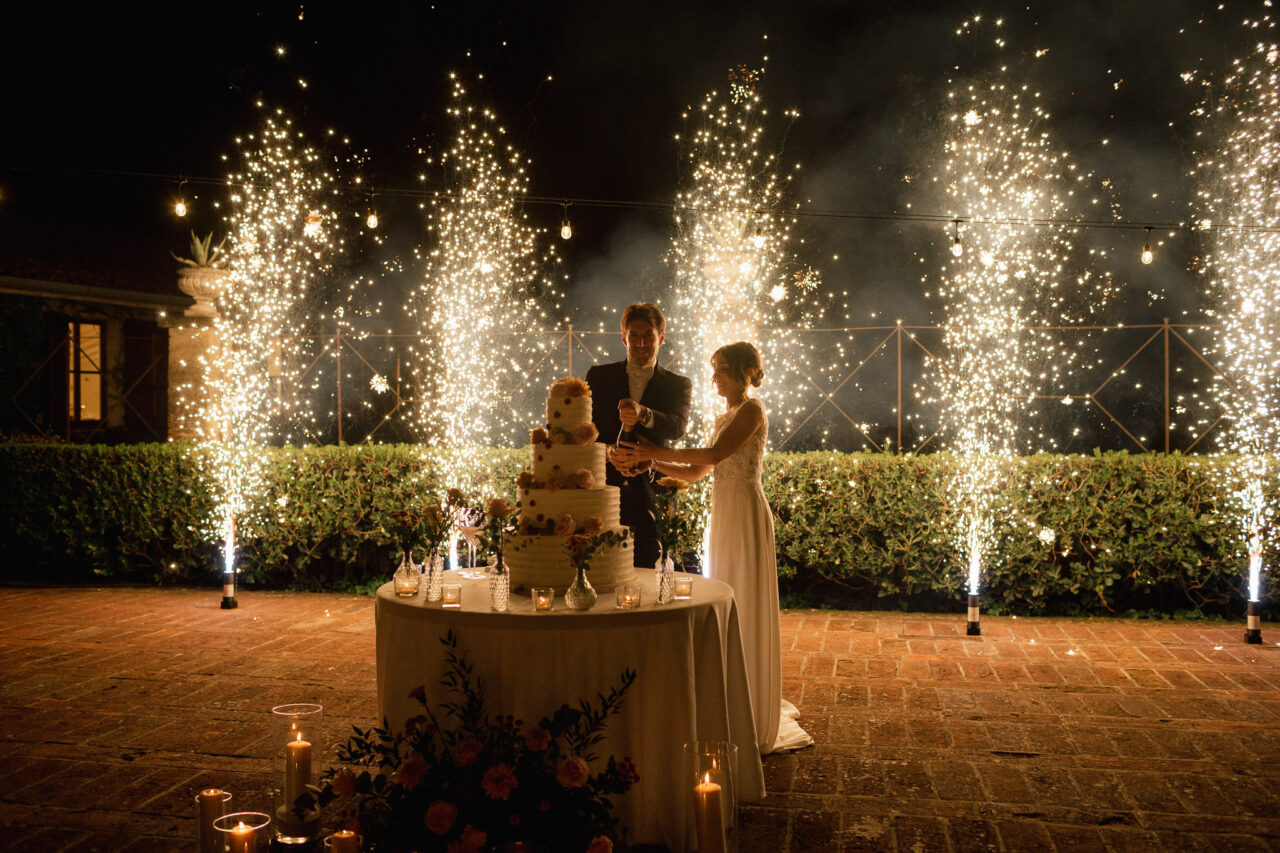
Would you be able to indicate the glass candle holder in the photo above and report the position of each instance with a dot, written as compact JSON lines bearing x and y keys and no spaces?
{"x":212,"y":804}
{"x":344,"y":841}
{"x":544,"y":598}
{"x":296,"y":751}
{"x":711,"y":769}
{"x":451,"y":595}
{"x":684,"y":588}
{"x":239,"y":831}
{"x":627,"y":596}
{"x":407,"y":577}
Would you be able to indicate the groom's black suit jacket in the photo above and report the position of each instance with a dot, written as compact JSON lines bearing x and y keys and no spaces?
{"x":669,"y":396}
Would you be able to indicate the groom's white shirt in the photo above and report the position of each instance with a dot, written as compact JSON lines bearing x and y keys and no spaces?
{"x":638,"y":376}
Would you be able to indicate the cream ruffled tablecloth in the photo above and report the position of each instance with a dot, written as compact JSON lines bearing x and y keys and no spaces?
{"x":691,"y":684}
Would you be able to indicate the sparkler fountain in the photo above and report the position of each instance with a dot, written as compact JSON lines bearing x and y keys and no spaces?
{"x":481,"y":296}
{"x":279,"y":230}
{"x":1010,"y":276}
{"x":735,"y":274}
{"x":1239,"y":191}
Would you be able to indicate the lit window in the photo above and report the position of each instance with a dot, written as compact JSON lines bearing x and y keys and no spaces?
{"x":84,"y":373}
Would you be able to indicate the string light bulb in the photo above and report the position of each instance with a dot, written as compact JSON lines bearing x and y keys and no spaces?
{"x":180,"y":206}
{"x":1147,"y":255}
{"x":957,"y":249}
{"x":566,"y":230}
{"x":373,"y":219}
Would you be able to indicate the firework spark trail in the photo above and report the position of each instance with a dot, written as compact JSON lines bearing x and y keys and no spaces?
{"x":736,"y":277}
{"x":1239,"y":191}
{"x":999,"y":169}
{"x":482,"y":294}
{"x":280,"y":237}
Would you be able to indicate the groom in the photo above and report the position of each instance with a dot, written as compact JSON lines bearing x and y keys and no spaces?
{"x":639,"y":397}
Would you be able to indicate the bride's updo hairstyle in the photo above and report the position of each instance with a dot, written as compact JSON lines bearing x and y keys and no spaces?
{"x":743,"y":361}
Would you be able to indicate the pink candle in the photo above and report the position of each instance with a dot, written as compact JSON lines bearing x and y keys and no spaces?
{"x":708,"y":817}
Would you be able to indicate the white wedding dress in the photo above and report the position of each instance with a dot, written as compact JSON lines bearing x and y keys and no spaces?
{"x":741,"y":553}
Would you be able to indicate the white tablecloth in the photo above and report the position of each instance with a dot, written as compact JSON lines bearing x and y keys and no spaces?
{"x":691,"y":684}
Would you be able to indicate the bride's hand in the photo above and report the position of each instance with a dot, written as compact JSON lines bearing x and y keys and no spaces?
{"x":630,"y":453}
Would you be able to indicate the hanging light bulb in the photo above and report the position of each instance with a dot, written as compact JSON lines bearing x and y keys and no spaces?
{"x":956,"y":248}
{"x":311,"y":227}
{"x":757,"y":239}
{"x":373,"y":219}
{"x":180,"y":206}
{"x":1147,"y":255}
{"x":566,"y":230}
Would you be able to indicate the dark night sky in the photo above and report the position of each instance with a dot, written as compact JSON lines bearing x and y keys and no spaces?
{"x":102,"y":89}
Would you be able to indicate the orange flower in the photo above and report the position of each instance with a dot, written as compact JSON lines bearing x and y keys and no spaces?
{"x":592,"y":526}
{"x":572,"y":772}
{"x":600,"y":844}
{"x":344,"y":783}
{"x":525,"y":480}
{"x":565,"y":525}
{"x":466,"y":751}
{"x":498,"y":781}
{"x":499,"y":508}
{"x":537,"y":738}
{"x":456,"y":496}
{"x":440,"y":817}
{"x":412,"y":772}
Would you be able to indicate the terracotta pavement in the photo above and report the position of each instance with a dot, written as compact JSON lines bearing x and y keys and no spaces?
{"x":118,"y":704}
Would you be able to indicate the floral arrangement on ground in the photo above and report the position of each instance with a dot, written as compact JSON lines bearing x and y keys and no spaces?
{"x":455,"y":779}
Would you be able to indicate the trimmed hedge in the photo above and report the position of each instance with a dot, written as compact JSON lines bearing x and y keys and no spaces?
{"x":1129,"y":533}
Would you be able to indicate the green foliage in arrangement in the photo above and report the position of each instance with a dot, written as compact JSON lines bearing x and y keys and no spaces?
{"x":1110,"y":533}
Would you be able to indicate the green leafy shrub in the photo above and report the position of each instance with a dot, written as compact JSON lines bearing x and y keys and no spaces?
{"x":1110,"y":533}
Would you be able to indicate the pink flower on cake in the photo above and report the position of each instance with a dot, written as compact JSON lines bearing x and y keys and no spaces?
{"x":440,"y":817}
{"x":565,"y":525}
{"x":593,"y":525}
{"x":585,"y":433}
{"x":572,"y":772}
{"x":580,"y":479}
{"x":499,"y":780}
{"x":525,"y":480}
{"x":538,"y":436}
{"x":577,"y":542}
{"x":569,"y":387}
{"x":555,"y":480}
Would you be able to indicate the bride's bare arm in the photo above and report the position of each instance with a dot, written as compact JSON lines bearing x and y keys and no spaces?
{"x":688,"y":473}
{"x":746,"y":422}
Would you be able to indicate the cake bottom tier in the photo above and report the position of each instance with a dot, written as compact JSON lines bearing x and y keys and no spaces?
{"x":544,"y":561}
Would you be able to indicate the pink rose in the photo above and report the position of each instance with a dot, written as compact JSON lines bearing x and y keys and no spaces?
{"x":440,"y":817}
{"x":585,"y":433}
{"x":411,"y":773}
{"x":600,"y":844}
{"x":499,"y":780}
{"x":555,"y":481}
{"x":565,"y":525}
{"x":572,"y":772}
{"x":466,"y":751}
{"x":537,"y":738}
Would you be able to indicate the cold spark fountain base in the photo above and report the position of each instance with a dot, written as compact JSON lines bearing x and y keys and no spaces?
{"x":229,"y":591}
{"x":974,"y":628}
{"x":1253,"y":624}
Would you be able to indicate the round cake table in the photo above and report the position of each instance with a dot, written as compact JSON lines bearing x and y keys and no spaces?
{"x":691,"y":680}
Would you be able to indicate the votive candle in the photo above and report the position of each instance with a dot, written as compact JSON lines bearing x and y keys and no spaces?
{"x":452,"y":595}
{"x":543,"y":598}
{"x":344,"y":841}
{"x":684,"y":588}
{"x":242,"y":839}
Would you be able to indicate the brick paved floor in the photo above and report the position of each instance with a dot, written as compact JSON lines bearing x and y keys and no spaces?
{"x":118,"y":704}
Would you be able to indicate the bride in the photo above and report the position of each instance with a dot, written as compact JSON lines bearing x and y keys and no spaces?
{"x":741,"y":549}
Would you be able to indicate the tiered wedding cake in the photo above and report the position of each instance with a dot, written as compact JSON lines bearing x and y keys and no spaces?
{"x":565,"y":494}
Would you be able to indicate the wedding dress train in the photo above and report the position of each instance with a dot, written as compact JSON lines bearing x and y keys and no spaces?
{"x":741,"y":553}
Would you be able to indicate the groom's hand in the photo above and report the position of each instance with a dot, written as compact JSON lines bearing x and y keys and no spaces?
{"x":631,"y":413}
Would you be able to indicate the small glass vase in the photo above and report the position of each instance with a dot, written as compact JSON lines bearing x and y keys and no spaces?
{"x":499,"y":587}
{"x":666,"y":571}
{"x":407,"y":577}
{"x":580,"y":595}
{"x":435,"y":577}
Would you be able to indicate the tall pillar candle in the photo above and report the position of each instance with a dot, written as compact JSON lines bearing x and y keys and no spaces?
{"x":709,"y":816}
{"x":297,"y":770}
{"x":212,"y":803}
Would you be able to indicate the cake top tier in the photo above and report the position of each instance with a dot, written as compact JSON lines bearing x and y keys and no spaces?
{"x":569,"y":411}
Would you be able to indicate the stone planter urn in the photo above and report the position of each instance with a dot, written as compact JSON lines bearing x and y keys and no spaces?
{"x":204,"y":285}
